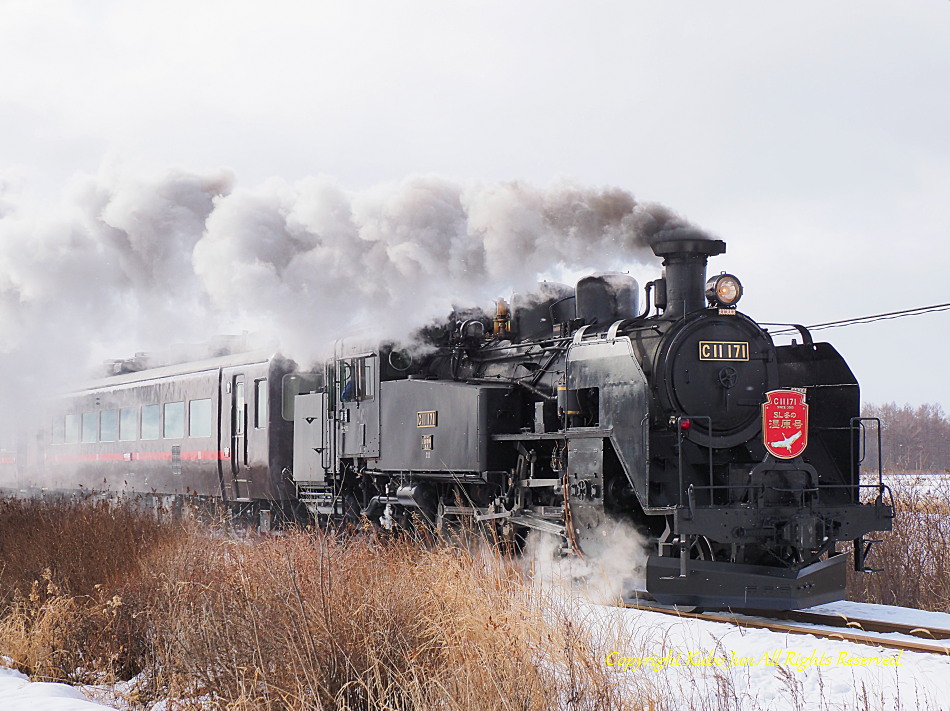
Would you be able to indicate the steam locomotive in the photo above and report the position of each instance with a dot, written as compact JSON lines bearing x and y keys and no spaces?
{"x":570,"y":412}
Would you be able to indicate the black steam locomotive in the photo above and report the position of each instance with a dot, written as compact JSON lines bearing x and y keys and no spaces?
{"x":570,"y":412}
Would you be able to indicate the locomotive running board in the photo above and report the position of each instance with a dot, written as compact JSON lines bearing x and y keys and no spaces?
{"x":710,"y":585}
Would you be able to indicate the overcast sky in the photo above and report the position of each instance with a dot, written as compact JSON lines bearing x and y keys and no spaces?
{"x":812,"y":136}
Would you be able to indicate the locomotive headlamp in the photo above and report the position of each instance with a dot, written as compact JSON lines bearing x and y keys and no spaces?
{"x":723,"y":290}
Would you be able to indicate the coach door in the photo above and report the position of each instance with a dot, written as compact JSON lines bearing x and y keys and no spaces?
{"x":239,"y":483}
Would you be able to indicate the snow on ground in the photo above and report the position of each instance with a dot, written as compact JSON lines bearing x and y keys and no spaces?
{"x":18,"y":693}
{"x":699,"y":664}
{"x":716,"y":665}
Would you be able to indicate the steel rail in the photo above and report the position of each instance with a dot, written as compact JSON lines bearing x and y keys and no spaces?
{"x":846,"y":626}
{"x":856,"y":623}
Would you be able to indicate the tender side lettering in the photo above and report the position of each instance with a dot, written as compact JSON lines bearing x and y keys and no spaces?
{"x":427,"y":418}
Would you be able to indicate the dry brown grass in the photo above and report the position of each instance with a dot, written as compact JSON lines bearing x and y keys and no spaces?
{"x":76,"y":544}
{"x":365,"y":623}
{"x":305,"y":620}
{"x":64,"y":568}
{"x":54,"y":636}
{"x":914,"y":557}
{"x":299,"y":621}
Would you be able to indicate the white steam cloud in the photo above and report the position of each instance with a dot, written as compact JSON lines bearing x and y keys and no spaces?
{"x":125,"y":264}
{"x":611,"y":570}
{"x":310,"y":261}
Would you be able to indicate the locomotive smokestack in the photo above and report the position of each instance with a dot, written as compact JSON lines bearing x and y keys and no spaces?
{"x":685,"y":272}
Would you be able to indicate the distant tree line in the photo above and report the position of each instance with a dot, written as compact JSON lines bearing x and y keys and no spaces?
{"x":912,"y":439}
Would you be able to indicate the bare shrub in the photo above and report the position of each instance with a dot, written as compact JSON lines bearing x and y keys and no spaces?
{"x":66,"y":568}
{"x":914,"y":558}
{"x":77,"y":544}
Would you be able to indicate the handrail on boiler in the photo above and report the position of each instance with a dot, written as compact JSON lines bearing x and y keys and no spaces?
{"x":681,"y":435}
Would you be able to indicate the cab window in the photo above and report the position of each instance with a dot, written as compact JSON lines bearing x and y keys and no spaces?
{"x":356,"y":377}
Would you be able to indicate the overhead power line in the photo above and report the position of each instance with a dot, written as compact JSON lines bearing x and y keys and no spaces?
{"x":919,"y":311}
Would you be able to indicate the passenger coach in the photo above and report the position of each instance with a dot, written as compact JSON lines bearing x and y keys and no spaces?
{"x":211,"y":429}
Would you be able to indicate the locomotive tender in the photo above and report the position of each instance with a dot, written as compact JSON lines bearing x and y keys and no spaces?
{"x":571,"y":413}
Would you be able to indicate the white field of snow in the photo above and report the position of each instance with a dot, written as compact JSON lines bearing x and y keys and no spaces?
{"x":704,"y":663}
{"x":18,"y":693}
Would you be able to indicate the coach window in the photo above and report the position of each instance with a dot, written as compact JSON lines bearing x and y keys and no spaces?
{"x":240,"y":406}
{"x":150,"y":419}
{"x":128,"y":424}
{"x":58,"y":433}
{"x":108,"y":423}
{"x":90,"y":427}
{"x":199,"y":418}
{"x":174,"y":420}
{"x":72,"y":429}
{"x":260,"y":403}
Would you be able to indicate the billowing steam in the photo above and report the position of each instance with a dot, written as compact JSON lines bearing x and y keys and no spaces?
{"x":124,"y":265}
{"x":611,"y":570}
{"x":311,"y":261}
{"x":107,"y":268}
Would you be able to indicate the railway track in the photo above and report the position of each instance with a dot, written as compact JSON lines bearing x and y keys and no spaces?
{"x":827,"y":626}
